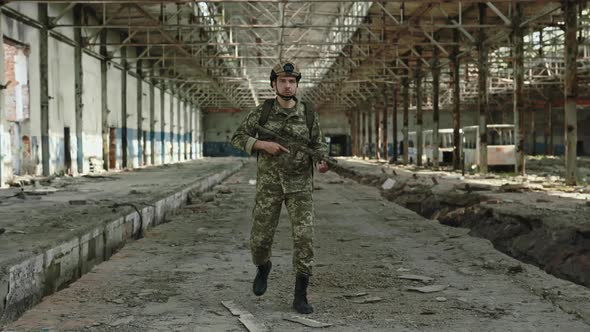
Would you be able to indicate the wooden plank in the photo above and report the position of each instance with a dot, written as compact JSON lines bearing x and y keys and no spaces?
{"x":427,"y":289}
{"x":251,"y":324}
{"x":235,"y":309}
{"x":307,"y":321}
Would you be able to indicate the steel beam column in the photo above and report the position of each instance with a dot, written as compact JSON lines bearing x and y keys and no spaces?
{"x":518,"y":43}
{"x":419,"y":122}
{"x":435,"y":107}
{"x":406,"y":110}
{"x":124,"y":136}
{"x":455,"y":63}
{"x":104,"y":99}
{"x":44,"y":83}
{"x":571,"y":91}
{"x":79,"y":89}
{"x":482,"y":96}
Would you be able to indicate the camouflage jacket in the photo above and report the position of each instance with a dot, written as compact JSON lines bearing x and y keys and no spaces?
{"x":293,"y":171}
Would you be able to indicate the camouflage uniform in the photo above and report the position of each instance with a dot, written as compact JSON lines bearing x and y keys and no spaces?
{"x":283,"y":178}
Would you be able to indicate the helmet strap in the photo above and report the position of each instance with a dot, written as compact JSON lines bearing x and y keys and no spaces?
{"x":286,"y":98}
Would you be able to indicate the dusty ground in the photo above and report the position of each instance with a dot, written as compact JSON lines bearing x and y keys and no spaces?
{"x":176,"y":277}
{"x":535,"y":218}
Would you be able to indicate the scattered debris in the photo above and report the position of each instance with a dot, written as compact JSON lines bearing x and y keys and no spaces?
{"x":223,"y":189}
{"x":40,"y":191}
{"x":208,"y":197}
{"x":370,"y":299}
{"x":196,"y":208}
{"x":415,"y":277}
{"x":427,"y":312}
{"x":122,"y":321}
{"x":252,"y":182}
{"x":388,"y":184}
{"x":515,"y":269}
{"x":427,"y":289}
{"x":403,"y":269}
{"x":441,"y":299}
{"x":306,"y":321}
{"x":345,"y":239}
{"x":355,"y":295}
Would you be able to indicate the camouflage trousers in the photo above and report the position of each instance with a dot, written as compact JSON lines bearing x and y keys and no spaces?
{"x":266,"y":218}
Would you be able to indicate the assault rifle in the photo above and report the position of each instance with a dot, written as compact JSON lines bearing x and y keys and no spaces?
{"x":316,"y":156}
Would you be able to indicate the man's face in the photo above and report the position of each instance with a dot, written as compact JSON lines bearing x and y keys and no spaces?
{"x":285,"y":85}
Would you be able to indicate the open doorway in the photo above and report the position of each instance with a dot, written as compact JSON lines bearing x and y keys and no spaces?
{"x":339,"y":145}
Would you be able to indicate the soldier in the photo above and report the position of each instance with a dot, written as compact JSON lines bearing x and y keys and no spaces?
{"x":283,"y":176}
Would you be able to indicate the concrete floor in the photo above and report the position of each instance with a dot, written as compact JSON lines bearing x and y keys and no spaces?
{"x":175,"y":278}
{"x":51,"y":239}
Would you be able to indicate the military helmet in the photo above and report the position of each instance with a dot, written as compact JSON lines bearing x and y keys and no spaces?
{"x":285,"y":68}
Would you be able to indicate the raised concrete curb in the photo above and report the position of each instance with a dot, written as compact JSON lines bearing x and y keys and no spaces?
{"x":26,"y":283}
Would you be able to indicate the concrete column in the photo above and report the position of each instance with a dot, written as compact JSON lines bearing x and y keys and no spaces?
{"x":104,"y":98}
{"x":394,"y":125}
{"x":79,"y":88}
{"x":455,"y":63}
{"x":152,"y":118}
{"x":518,"y":41}
{"x":435,"y":107}
{"x":192,"y":131}
{"x":385,"y":124}
{"x":482,"y":96}
{"x":377,"y":133}
{"x":196,"y":136}
{"x":162,"y":119}
{"x":571,"y":91}
{"x":187,"y":129}
{"x":4,"y":140}
{"x":200,"y":132}
{"x":358,"y":133}
{"x":44,"y":83}
{"x":178,"y":127}
{"x":139,"y":101}
{"x":370,"y":131}
{"x":171,"y":123}
{"x":533,"y":131}
{"x":549,"y":129}
{"x":364,"y":135}
{"x":419,"y":122}
{"x":124,"y":138}
{"x":406,"y":110}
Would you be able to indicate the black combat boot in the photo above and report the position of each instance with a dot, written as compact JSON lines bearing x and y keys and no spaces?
{"x":259,"y":286}
{"x":300,"y":301}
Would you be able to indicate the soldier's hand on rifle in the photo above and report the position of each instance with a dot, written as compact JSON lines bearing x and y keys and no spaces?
{"x":270,"y":147}
{"x":323,"y":167}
